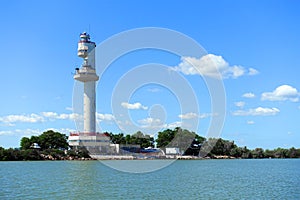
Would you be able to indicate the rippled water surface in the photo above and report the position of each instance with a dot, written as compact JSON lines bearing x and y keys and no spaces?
{"x":194,"y":179}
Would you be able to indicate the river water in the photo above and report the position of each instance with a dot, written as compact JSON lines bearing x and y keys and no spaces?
{"x":186,"y":179}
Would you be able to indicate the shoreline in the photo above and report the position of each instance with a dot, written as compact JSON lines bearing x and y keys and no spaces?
{"x":121,"y":157}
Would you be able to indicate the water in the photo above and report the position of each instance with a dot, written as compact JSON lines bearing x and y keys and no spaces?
{"x":193,"y":179}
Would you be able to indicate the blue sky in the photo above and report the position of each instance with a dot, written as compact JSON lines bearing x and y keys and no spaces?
{"x":256,"y":46}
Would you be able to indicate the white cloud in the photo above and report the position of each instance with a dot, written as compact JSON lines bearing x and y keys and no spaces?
{"x":10,"y":120}
{"x":6,"y":132}
{"x":105,"y":117}
{"x":212,"y":66}
{"x":151,"y":123}
{"x":65,"y":131}
{"x":252,"y":72}
{"x":32,"y":118}
{"x":192,"y":115}
{"x":31,"y":132}
{"x":69,"y":108}
{"x":50,"y":114}
{"x":173,"y":125}
{"x":250,"y":122}
{"x":72,"y":116}
{"x":282,"y":93}
{"x":257,"y":112}
{"x":134,"y":106}
{"x":240,"y":104}
{"x":248,"y":95}
{"x":53,"y":115}
{"x":21,"y":132}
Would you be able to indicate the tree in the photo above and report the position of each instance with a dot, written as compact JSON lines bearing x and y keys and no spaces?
{"x":246,"y":153}
{"x":25,"y":143}
{"x":236,"y":152}
{"x":269,"y":153}
{"x":222,"y":147}
{"x":280,"y":153}
{"x":142,"y":139}
{"x":2,"y":150}
{"x":165,"y":137}
{"x":186,"y":140}
{"x":258,"y":153}
{"x":117,"y":138}
{"x":53,"y":140}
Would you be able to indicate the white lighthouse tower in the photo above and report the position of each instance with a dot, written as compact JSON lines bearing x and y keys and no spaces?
{"x":87,"y":75}
{"x":94,"y":142}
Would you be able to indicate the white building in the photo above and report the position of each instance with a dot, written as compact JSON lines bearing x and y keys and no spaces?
{"x":172,"y":151}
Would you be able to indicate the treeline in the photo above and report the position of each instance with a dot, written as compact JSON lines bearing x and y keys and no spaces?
{"x":137,"y":138}
{"x":192,"y":144}
{"x":228,"y":148}
{"x":52,"y":145}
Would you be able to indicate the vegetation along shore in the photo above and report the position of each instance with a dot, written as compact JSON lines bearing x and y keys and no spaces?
{"x":51,"y":145}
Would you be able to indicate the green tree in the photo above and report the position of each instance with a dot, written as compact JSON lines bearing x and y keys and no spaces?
{"x":258,"y":153}
{"x":141,"y":139}
{"x":186,"y":140}
{"x":165,"y":137}
{"x":2,"y":150}
{"x":53,"y":140}
{"x":117,"y":138}
{"x":222,"y":147}
{"x":236,"y":152}
{"x":280,"y":153}
{"x":269,"y":153}
{"x":246,"y":153}
{"x":25,"y":143}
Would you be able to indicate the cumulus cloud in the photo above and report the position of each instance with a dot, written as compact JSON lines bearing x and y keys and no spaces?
{"x":240,"y":104}
{"x":213,"y":66}
{"x":30,"y":132}
{"x":21,"y":132}
{"x":32,"y":118}
{"x":192,"y":115}
{"x":252,"y":72}
{"x":6,"y":132}
{"x":10,"y":120}
{"x":248,"y":95}
{"x":150,"y":120}
{"x":134,"y":106}
{"x":53,"y":116}
{"x":173,"y":125}
{"x":104,"y":117}
{"x":282,"y":93}
{"x":260,"y":111}
{"x":151,"y":123}
{"x":50,"y":114}
{"x":69,"y":108}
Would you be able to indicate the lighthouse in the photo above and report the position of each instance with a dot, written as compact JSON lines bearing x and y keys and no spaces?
{"x":94,"y":142}
{"x":87,"y":75}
